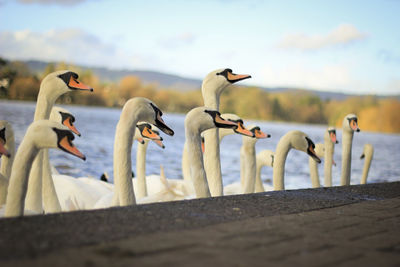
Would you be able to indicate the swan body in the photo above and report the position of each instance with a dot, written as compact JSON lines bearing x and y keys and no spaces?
{"x":320,"y":151}
{"x":329,"y":144}
{"x":213,"y":85}
{"x":7,"y":152}
{"x":367,"y":155}
{"x":349,"y":127}
{"x":198,"y":120}
{"x":40,"y":134}
{"x":296,"y":140}
{"x":53,"y":85}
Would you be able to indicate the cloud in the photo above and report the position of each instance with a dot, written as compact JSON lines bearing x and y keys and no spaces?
{"x":53,"y":2}
{"x":342,"y":35}
{"x":69,"y":45}
{"x":177,"y":41}
{"x":299,"y":76}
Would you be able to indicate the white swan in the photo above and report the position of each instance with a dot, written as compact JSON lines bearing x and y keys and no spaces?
{"x":213,"y":85}
{"x":264,"y":158}
{"x":329,"y":144}
{"x":293,"y":139}
{"x":53,"y":85}
{"x":367,"y":154}
{"x":40,"y":134}
{"x":320,"y":152}
{"x":222,"y":132}
{"x":349,"y":126}
{"x":248,"y":169}
{"x":198,"y":120}
{"x":135,"y":110}
{"x":7,"y":152}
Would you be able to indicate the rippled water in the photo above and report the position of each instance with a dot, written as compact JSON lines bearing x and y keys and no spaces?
{"x":97,"y":126}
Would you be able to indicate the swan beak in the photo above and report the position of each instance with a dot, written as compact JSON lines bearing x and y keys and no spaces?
{"x":140,"y":140}
{"x":221,"y":123}
{"x":77,"y":85}
{"x":233,"y":78}
{"x":259,"y":134}
{"x":159,"y":143}
{"x":66,"y":145}
{"x":162,"y":126}
{"x":354,"y":125}
{"x":203,"y":147}
{"x":333,"y":138}
{"x":242,"y":130}
{"x":311,"y":153}
{"x":68,"y":122}
{"x":3,"y":150}
{"x":148,"y":133}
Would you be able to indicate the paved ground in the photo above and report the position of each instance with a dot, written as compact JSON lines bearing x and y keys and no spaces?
{"x":341,"y":226}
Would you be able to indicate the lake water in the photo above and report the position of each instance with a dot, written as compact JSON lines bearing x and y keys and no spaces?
{"x":97,"y":126}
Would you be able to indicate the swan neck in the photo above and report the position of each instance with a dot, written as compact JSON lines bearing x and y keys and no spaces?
{"x":328,"y":155}
{"x":44,"y":105}
{"x":33,"y":199}
{"x":122,"y":159}
{"x":19,"y":179}
{"x":259,"y":184}
{"x":249,"y":174}
{"x":141,"y":151}
{"x":212,"y":162}
{"x":282,"y":150}
{"x":347,"y":140}
{"x":186,"y":163}
{"x":51,"y":203}
{"x":314,"y":173}
{"x":197,"y":172}
{"x":367,"y":165}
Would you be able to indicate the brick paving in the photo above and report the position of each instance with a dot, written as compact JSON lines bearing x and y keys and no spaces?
{"x":342,"y":226}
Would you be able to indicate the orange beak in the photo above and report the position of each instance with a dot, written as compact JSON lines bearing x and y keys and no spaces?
{"x":74,"y":83}
{"x":140,"y":140}
{"x":333,"y":138}
{"x":3,"y":150}
{"x":242,"y":130}
{"x":67,"y":122}
{"x":148,"y":133}
{"x":259,"y":134}
{"x":237,"y":77}
{"x":203,"y":147}
{"x":159,"y":143}
{"x":67,"y":146}
{"x":225,"y":123}
{"x":354,"y":126}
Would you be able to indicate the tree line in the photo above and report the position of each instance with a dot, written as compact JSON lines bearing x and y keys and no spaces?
{"x":375,"y":114}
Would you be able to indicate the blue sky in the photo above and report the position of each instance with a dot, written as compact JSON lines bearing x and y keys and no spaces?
{"x":344,"y":46}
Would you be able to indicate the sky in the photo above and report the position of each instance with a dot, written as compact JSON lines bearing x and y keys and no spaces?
{"x":342,"y":46}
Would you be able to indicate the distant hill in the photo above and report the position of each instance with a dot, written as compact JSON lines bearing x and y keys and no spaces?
{"x":173,"y":81}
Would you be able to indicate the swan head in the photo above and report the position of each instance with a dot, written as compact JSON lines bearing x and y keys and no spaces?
{"x":145,"y":110}
{"x":65,"y":117}
{"x":6,"y":133}
{"x":241,"y":129}
{"x":350,"y":123}
{"x":202,"y":118}
{"x":301,"y":141}
{"x":148,"y":131}
{"x":367,"y":151}
{"x":219,"y":79}
{"x":266,"y":157}
{"x":330,"y":134}
{"x":257,"y":133}
{"x":61,"y":82}
{"x":50,"y":134}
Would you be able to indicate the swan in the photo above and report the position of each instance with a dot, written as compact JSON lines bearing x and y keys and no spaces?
{"x":349,"y":127}
{"x":248,"y":168}
{"x":198,"y":120}
{"x":135,"y":109}
{"x":368,"y":154}
{"x":293,"y":139}
{"x":7,"y":152}
{"x":40,"y":134}
{"x":329,"y":144}
{"x":213,"y":85}
{"x":320,"y":151}
{"x":222,"y":132}
{"x":53,"y":85}
{"x":263,"y":158}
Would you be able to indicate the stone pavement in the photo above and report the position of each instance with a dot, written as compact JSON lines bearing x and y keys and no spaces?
{"x":340,"y":226}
